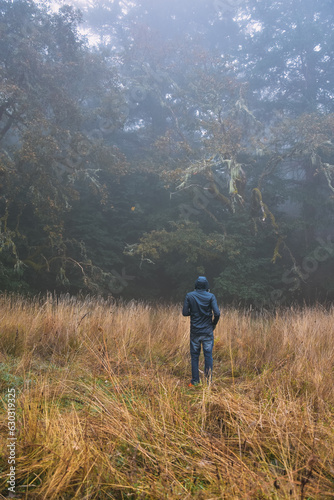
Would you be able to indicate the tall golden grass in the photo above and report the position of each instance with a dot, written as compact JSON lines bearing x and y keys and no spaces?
{"x":104,"y":410}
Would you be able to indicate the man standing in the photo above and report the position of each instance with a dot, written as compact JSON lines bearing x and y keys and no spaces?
{"x":200,"y":305}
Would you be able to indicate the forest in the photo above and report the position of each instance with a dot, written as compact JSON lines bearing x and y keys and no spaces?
{"x":144,"y":143}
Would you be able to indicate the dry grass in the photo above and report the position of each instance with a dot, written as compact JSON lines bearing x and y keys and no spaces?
{"x":104,"y":411}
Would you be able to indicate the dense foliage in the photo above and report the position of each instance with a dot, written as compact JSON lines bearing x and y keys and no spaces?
{"x":193,"y":137}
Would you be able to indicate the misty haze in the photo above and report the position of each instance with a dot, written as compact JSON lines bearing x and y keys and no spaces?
{"x":144,"y":144}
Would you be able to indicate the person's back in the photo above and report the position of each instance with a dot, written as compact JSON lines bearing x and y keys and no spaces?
{"x":200,"y":305}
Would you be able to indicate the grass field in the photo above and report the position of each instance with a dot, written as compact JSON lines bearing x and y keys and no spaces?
{"x":103,"y":408}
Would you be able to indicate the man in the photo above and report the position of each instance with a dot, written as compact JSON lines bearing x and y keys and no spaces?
{"x":199,"y":305}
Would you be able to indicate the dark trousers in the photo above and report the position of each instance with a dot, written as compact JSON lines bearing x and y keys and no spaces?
{"x":196,"y":341}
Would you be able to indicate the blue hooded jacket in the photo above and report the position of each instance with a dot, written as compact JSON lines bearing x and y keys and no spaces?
{"x":200,"y":305}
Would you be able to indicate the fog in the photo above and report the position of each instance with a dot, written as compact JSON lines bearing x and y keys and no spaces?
{"x":146,"y":142}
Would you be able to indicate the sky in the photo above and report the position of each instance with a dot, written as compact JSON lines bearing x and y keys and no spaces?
{"x":81,"y":4}
{"x":76,"y":3}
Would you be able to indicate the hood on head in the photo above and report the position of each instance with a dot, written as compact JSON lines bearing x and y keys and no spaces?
{"x":202,"y":283}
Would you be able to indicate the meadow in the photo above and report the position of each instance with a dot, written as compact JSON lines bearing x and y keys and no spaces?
{"x":103,"y":409}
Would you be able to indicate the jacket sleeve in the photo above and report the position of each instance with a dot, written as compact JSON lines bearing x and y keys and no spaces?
{"x":186,"y":307}
{"x":215,"y":309}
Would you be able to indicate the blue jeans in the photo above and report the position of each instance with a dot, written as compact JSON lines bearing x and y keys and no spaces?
{"x":196,"y":341}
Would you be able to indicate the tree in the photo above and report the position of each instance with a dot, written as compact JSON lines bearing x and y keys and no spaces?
{"x":52,"y":90}
{"x":240,"y":164}
{"x":286,"y":54}
{"x":174,"y":147}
